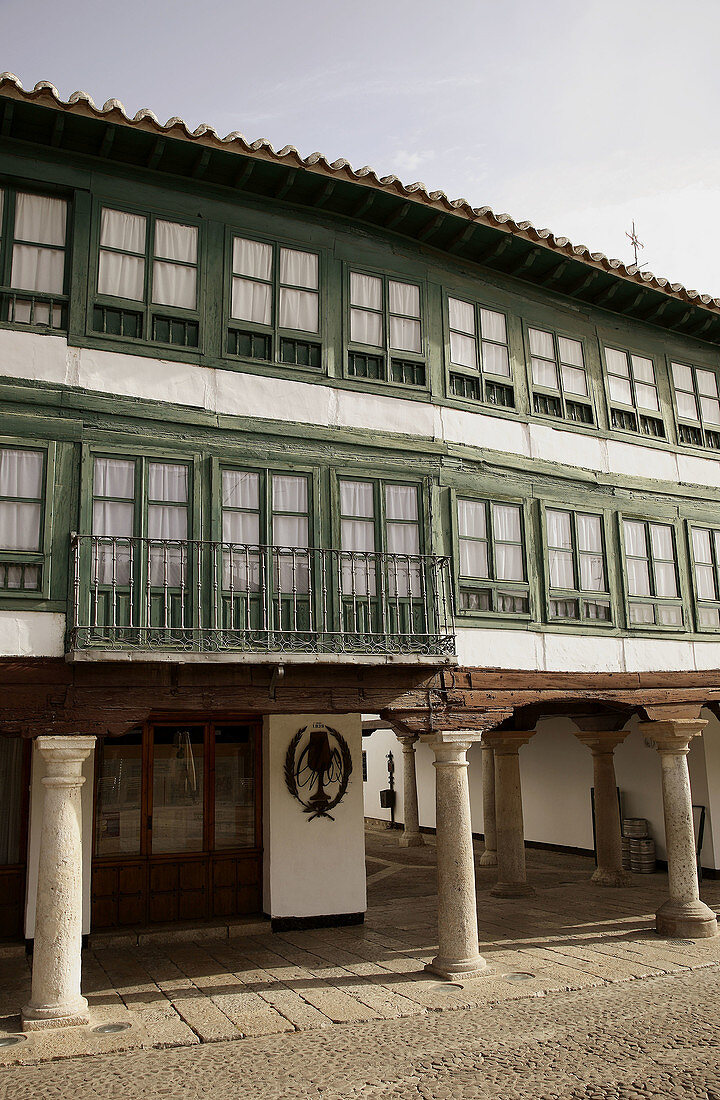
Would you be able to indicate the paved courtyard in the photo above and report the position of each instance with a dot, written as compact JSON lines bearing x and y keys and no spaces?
{"x":282,"y":996}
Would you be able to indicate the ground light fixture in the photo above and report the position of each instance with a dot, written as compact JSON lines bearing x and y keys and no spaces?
{"x":111,"y":1029}
{"x":11,"y":1040}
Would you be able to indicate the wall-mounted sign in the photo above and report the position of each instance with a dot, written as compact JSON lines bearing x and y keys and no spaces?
{"x":318,"y":765}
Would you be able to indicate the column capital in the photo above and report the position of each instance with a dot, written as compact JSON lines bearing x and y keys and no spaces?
{"x":448,"y":739}
{"x":672,"y":735}
{"x":408,"y":741}
{"x":509,"y":741}
{"x":601,"y":741}
{"x":64,"y":757}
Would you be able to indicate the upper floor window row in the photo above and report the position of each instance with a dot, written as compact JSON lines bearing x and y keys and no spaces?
{"x":33,"y":231}
{"x":385,"y":330}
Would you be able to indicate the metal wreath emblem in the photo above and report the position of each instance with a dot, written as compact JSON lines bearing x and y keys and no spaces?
{"x":318,"y":764}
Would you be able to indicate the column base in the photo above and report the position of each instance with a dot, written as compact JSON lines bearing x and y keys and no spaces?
{"x":411,"y":840}
{"x":602,"y":877}
{"x":512,"y":889}
{"x":457,"y":969}
{"x":692,"y":920}
{"x":70,"y":1015}
{"x":488,"y":858}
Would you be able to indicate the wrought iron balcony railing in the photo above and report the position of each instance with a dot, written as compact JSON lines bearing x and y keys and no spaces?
{"x":152,"y":595}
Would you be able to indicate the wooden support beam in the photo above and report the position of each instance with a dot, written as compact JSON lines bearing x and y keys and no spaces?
{"x":158,"y":150}
{"x":496,"y":251}
{"x":705,"y":324}
{"x":556,"y":274}
{"x":584,"y":283}
{"x":7,"y":118}
{"x":630,"y":306}
{"x":399,"y":216}
{"x":58,"y":127}
{"x":287,"y":183}
{"x":524,"y":264}
{"x":325,"y":194}
{"x":365,"y":204}
{"x":201,"y":164}
{"x":432,"y":226}
{"x":107,"y":141}
{"x":244,"y":174}
{"x":607,"y":294}
{"x":656,"y":313}
{"x":462,"y":238}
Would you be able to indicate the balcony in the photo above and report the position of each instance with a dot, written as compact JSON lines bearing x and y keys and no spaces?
{"x":151,"y":599}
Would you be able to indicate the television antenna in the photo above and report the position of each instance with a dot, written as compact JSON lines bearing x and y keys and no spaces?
{"x":636,"y":244}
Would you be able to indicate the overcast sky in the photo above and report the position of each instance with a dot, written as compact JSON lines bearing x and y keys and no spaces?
{"x":578,"y":115}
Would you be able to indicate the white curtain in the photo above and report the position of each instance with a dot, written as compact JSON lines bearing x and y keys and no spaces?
{"x":21,"y":473}
{"x":574,"y":381}
{"x":462,"y":316}
{"x":11,"y":786}
{"x":290,"y":493}
{"x":665,"y":579}
{"x":617,"y":362}
{"x":682,"y":377}
{"x":298,"y":309}
{"x":702,"y":552}
{"x":403,"y":538}
{"x":19,"y":525}
{"x":240,"y":489}
{"x":473,"y":558}
{"x":114,"y":477}
{"x":647,"y":397}
{"x":706,"y":383}
{"x":358,"y":535}
{"x":687,"y":405}
{"x":507,"y":527}
{"x":38,"y":269}
{"x":113,"y":519}
{"x":463,"y":350}
{"x":560,"y":556}
{"x":290,"y":531}
{"x":176,"y":242}
{"x":121,"y":275}
{"x":492,"y":326}
{"x":358,"y":576}
{"x":174,"y":285}
{"x":401,"y":502}
{"x":634,"y":537}
{"x":592,"y":565}
{"x":661,"y":541}
{"x":356,"y":498}
{"x":506,"y":523}
{"x":252,"y":301}
{"x":471,"y":519}
{"x":643,"y":369}
{"x":366,"y":328}
{"x":241,"y":528}
{"x":404,"y":298}
{"x":589,"y":533}
{"x":167,"y":481}
{"x":544,"y":374}
{"x":495,"y":359}
{"x":298,"y":268}
{"x":123,"y":231}
{"x":559,"y":529}
{"x":570,"y":352}
{"x":405,"y":334}
{"x":541,"y":343}
{"x":620,"y":390}
{"x":710,"y":410}
{"x":252,"y":258}
{"x":365,"y":290}
{"x":40,"y":219}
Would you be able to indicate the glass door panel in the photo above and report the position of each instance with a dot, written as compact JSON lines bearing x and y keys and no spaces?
{"x":178,"y":789}
{"x":119,"y":795}
{"x":234,"y":787}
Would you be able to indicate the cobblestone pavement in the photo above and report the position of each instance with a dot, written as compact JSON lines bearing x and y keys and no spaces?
{"x":570,"y":935}
{"x":650,"y":1039}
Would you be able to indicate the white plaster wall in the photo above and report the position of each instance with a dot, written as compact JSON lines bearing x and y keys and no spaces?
{"x":556,"y":775}
{"x":37,"y":796}
{"x":312,"y":868}
{"x":34,"y":357}
{"x":31,"y":634}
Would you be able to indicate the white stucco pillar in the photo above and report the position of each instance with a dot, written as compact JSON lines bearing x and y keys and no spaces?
{"x":411,"y":836}
{"x":683,"y":914}
{"x":489,"y":856}
{"x":56,"y":1000}
{"x":512,"y":879}
{"x":458,"y":955}
{"x":608,"y":833}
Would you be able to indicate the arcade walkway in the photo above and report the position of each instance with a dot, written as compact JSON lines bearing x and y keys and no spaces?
{"x":568,"y":935}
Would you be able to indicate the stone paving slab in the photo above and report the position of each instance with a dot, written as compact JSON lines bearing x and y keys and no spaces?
{"x":570,"y":935}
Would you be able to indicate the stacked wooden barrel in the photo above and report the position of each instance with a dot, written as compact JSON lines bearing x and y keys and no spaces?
{"x":638,"y":848}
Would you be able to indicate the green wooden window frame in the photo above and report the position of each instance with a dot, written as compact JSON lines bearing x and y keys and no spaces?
{"x":647,"y":565}
{"x":25,"y":573}
{"x":141,"y":499}
{"x":489,"y":595}
{"x":552,"y":351}
{"x":379,"y":518}
{"x":632,"y":390}
{"x":272,"y":342}
{"x":704,"y":542}
{"x":141,"y":319}
{"x":266,"y":510}
{"x":577,"y":602}
{"x":381,"y":362}
{"x":696,"y":395}
{"x":478,"y":335}
{"x":36,"y":310}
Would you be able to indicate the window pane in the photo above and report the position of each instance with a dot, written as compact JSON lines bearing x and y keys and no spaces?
{"x":252,"y":301}
{"x":592,"y":573}
{"x":404,"y":334}
{"x":710,"y":410}
{"x":39,"y":269}
{"x":252,"y":258}
{"x":705,"y":582}
{"x":21,"y":473}
{"x":40,"y":219}
{"x":356,"y":498}
{"x":661,"y":541}
{"x":290,"y":530}
{"x":706,"y":383}
{"x":492,"y":326}
{"x":709,"y":616}
{"x":665,"y":579}
{"x":176,"y":242}
{"x":403,"y":538}
{"x":462,"y":316}
{"x":559,"y":529}
{"x":178,"y":782}
{"x":113,"y":519}
{"x":701,"y":545}
{"x":669,"y":616}
{"x":298,"y":268}
{"x":509,"y":562}
{"x":544,"y":374}
{"x":119,"y":795}
{"x":167,"y":522}
{"x":635,"y":539}
{"x":561,"y":569}
{"x":121,"y":276}
{"x":241,"y":528}
{"x":647,"y":397}
{"x":290,"y":493}
{"x":686,"y":405}
{"x":174,"y":285}
{"x":365,"y":290}
{"x":471,"y":519}
{"x":240,"y":489}
{"x":167,"y":481}
{"x":682,"y":377}
{"x":574,"y":380}
{"x":643,"y":369}
{"x":506,"y":522}
{"x":617,"y":362}
{"x":299,"y":309}
{"x":570,"y":351}
{"x":620,"y":390}
{"x":404,"y":298}
{"x":401,"y":502}
{"x":541,"y":343}
{"x":473,"y":559}
{"x":234,"y":787}
{"x":589,"y":533}
{"x":495,"y":359}
{"x":463,"y":350}
{"x":358,"y":535}
{"x":366,"y":328}
{"x":121,"y":230}
{"x":114,"y":477}
{"x":642,"y":613}
{"x":19,"y":526}
{"x":638,"y":577}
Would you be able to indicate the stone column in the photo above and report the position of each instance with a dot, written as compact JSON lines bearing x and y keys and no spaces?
{"x":56,"y":1000}
{"x":683,"y":915}
{"x":512,"y":880}
{"x":458,"y":955}
{"x":489,"y":856}
{"x":608,"y":832}
{"x":411,"y":837}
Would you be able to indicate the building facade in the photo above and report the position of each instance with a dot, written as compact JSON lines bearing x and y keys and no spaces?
{"x":281,"y":444}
